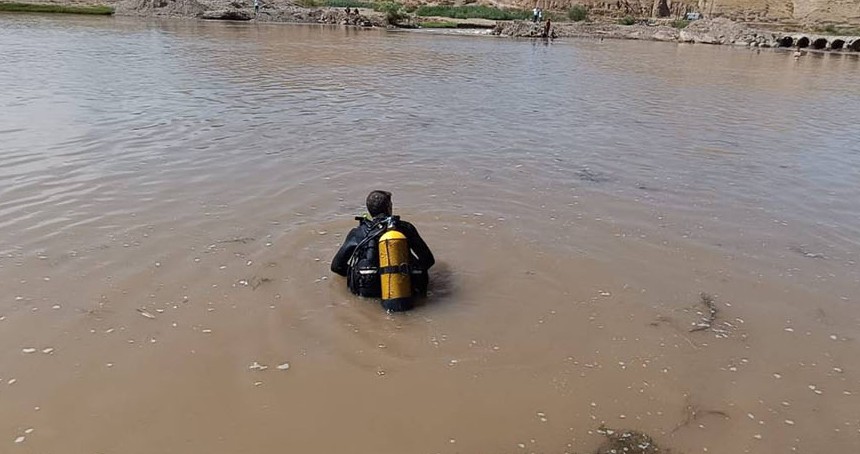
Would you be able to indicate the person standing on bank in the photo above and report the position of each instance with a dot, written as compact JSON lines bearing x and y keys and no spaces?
{"x":374,"y":240}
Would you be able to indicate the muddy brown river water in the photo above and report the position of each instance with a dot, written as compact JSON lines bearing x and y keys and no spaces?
{"x":171,"y":194}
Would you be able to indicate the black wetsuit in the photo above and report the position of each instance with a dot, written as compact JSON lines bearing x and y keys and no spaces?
{"x":422,"y":258}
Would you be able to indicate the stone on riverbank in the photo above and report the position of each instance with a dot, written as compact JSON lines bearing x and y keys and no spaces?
{"x":228,"y":14}
{"x":164,"y":8}
{"x":242,"y":11}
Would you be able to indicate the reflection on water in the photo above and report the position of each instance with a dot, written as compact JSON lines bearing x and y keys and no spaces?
{"x":573,"y":192}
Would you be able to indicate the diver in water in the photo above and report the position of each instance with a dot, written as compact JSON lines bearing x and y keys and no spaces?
{"x":384,"y":257}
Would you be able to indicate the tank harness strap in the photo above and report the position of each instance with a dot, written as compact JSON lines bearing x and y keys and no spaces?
{"x":397,"y":269}
{"x":375,"y":232}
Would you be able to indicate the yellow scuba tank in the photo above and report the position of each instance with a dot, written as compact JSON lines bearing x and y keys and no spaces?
{"x":394,"y":271}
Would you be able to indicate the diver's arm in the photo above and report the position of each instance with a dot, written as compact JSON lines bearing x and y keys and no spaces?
{"x":419,"y":247}
{"x":340,"y":262}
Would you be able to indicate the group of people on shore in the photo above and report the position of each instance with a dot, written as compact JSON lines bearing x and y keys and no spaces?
{"x":537,"y":14}
{"x":537,"y":17}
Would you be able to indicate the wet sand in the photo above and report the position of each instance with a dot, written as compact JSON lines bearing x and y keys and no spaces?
{"x":168,"y":246}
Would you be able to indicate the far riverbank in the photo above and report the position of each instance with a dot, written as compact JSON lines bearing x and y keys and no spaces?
{"x":395,"y":15}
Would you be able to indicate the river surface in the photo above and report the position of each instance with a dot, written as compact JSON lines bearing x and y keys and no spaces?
{"x":171,"y":194}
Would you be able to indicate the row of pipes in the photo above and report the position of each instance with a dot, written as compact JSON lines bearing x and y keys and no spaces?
{"x":821,"y":43}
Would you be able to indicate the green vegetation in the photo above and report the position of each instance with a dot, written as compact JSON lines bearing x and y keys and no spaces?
{"x":394,"y":12}
{"x":831,"y":29}
{"x":627,"y":20}
{"x":34,"y":8}
{"x":472,"y":12}
{"x":834,"y":30}
{"x":680,"y":23}
{"x":347,"y":4}
{"x":578,"y":13}
{"x":436,"y":24}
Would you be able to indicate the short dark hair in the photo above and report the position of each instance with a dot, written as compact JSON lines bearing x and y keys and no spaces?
{"x":378,"y":202}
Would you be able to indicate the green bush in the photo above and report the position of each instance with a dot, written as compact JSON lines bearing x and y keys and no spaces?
{"x":578,"y":13}
{"x":347,"y":4}
{"x":627,"y":20}
{"x":34,"y":8}
{"x":394,"y":12}
{"x":680,"y":23}
{"x":829,"y":29}
{"x":473,"y":12}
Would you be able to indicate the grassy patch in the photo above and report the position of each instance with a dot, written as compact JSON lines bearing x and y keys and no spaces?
{"x":627,"y":20}
{"x":473,"y":12}
{"x":578,"y":13}
{"x":346,"y":4}
{"x":830,"y":29}
{"x":35,"y":8}
{"x":680,"y":23}
{"x":436,"y":24}
{"x":334,"y":4}
{"x":394,"y":12}
{"x":834,"y":30}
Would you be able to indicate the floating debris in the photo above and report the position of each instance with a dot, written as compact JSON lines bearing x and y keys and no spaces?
{"x":144,"y":313}
{"x":626,"y":441}
{"x":709,"y":318}
{"x":257,"y":366}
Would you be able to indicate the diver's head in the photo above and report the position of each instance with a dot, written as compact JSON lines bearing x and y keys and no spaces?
{"x":378,"y":203}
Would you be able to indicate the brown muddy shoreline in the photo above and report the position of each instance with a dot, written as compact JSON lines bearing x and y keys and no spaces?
{"x":713,"y":31}
{"x":718,"y":31}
